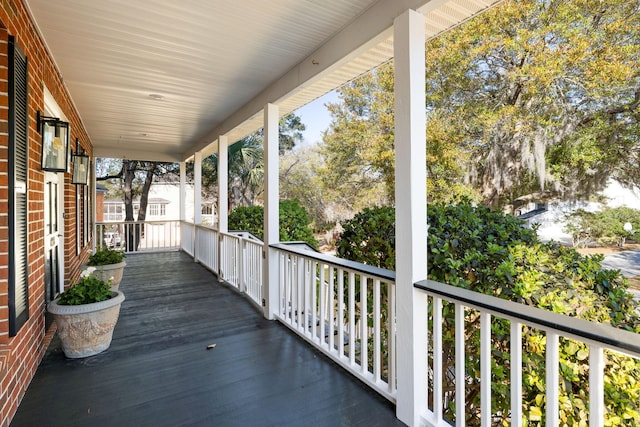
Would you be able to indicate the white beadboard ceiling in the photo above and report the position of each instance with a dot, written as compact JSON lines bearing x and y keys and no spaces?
{"x":161,"y":79}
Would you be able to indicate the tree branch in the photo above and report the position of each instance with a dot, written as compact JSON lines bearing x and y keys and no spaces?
{"x":614,"y":110}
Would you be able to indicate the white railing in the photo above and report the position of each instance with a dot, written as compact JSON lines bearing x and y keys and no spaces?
{"x":133,"y":236}
{"x":345,"y":309}
{"x":473,"y":313}
{"x":230,"y":259}
{"x":252,"y":269}
{"x":188,"y":231}
{"x":241,"y":263}
{"x":206,"y":254}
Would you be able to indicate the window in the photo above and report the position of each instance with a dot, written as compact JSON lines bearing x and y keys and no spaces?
{"x":113,"y":212}
{"x":156,"y":210}
{"x":18,"y":175}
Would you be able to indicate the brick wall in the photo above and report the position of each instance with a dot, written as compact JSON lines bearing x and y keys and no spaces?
{"x":20,"y":355}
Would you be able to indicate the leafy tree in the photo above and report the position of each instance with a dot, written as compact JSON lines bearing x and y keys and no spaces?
{"x":133,"y":179}
{"x":606,"y":227}
{"x":370,"y":238}
{"x":358,"y":147}
{"x":246,"y":162}
{"x":528,"y":95}
{"x":294,"y":222}
{"x":486,"y":251}
{"x":542,"y":93}
{"x":300,"y":180}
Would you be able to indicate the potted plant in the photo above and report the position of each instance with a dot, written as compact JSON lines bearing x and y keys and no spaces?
{"x":108,"y":264}
{"x":86,"y":315}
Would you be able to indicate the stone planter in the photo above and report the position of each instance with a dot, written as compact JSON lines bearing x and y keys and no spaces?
{"x":86,"y":329}
{"x":105,"y":272}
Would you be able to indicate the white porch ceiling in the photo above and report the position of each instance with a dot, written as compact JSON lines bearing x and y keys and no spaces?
{"x":159,"y":80}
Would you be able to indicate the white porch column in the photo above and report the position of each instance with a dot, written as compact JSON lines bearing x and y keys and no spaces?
{"x":411,"y":230}
{"x":94,"y":206}
{"x":197,"y":201}
{"x":197,"y":188}
{"x":271,"y":210}
{"x":223,"y":184}
{"x":183,"y":191}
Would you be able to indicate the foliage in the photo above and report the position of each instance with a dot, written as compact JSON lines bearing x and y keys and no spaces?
{"x":605,"y":227}
{"x":246,"y":162}
{"x":369,"y":238}
{"x":106,"y":256}
{"x":527,"y":95}
{"x":299,"y":180}
{"x":248,"y":218}
{"x":132,"y":179}
{"x":294,"y":222}
{"x":358,"y":146}
{"x":541,"y":93}
{"x":88,"y":290}
{"x":486,"y":251}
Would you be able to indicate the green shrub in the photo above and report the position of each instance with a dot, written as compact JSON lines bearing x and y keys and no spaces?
{"x":88,"y":290}
{"x":605,"y":227}
{"x":294,"y":222}
{"x":106,"y":256}
{"x":476,"y":248}
{"x":370,"y":238}
{"x":248,"y":218}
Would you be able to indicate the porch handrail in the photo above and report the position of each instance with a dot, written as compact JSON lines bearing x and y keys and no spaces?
{"x":359,"y":267}
{"x":613,"y":338}
{"x":206,"y":244}
{"x":246,"y":235}
{"x":138,"y":236}
{"x":240,"y":263}
{"x":320,"y":299}
{"x":598,"y":338}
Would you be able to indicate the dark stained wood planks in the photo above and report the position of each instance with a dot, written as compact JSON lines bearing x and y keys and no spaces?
{"x":159,"y":372}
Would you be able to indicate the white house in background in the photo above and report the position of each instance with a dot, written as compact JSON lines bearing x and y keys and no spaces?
{"x":550,"y":215}
{"x":163,"y":205}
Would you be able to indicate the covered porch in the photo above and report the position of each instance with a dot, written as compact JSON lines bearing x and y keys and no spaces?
{"x":158,"y":370}
{"x":389,"y":365}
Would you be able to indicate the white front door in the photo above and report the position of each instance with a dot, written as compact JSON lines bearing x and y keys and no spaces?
{"x":53,"y":237}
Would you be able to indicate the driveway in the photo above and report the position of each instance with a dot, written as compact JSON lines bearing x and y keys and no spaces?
{"x":628,"y":262}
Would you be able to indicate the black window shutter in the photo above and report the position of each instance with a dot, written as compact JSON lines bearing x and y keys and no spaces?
{"x":18,"y":176}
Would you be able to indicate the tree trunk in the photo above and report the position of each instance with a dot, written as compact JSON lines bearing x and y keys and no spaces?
{"x":129,"y":172}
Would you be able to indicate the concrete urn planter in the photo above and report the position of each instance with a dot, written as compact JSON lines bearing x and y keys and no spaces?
{"x":105,"y":272}
{"x":86,"y":329}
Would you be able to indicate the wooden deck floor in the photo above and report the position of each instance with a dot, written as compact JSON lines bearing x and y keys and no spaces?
{"x":158,"y":371}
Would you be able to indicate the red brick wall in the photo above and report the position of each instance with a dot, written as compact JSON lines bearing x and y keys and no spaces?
{"x":20,"y":355}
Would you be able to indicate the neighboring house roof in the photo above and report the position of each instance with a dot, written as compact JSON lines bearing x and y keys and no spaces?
{"x":101,"y":188}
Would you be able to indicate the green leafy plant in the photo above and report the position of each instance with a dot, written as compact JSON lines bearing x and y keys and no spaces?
{"x":88,"y":290}
{"x":106,"y":256}
{"x":294,"y":222}
{"x":370,"y":238}
{"x":476,"y":248}
{"x":605,"y":227}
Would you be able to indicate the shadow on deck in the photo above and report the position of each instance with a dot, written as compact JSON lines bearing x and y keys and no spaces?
{"x":158,"y":371}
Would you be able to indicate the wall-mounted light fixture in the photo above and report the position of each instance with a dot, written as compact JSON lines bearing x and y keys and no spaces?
{"x":80,"y":166}
{"x":55,"y":143}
